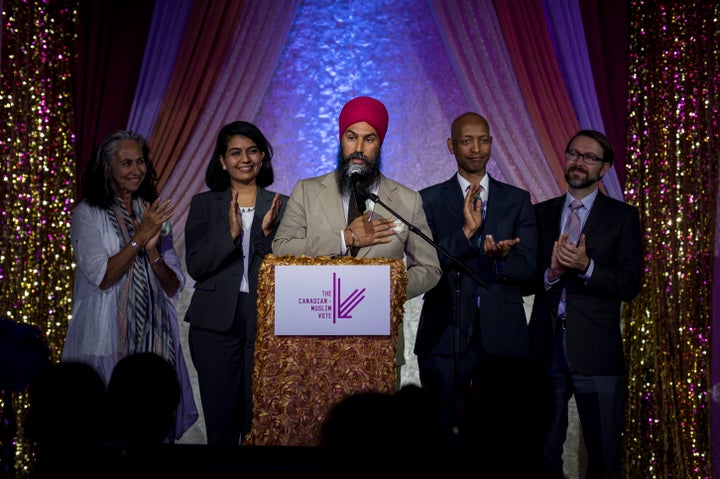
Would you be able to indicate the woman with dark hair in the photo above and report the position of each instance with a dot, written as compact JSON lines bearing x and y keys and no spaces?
{"x":228,"y":232}
{"x":127,"y":268}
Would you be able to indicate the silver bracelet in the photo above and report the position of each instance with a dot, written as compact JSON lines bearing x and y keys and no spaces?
{"x":134,"y":245}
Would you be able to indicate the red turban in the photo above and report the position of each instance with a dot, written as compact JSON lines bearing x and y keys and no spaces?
{"x":369,"y":110}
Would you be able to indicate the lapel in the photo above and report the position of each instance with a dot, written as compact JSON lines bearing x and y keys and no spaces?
{"x":555,"y":219}
{"x":451,"y":201}
{"x":223,"y":203}
{"x":495,"y":204}
{"x":388,"y":194}
{"x":263,"y":201}
{"x":330,"y":202}
{"x":594,"y":220}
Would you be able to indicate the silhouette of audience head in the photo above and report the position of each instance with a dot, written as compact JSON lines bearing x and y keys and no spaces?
{"x":64,"y":421}
{"x":505,"y":415}
{"x":361,"y":420}
{"x":142,"y":397}
{"x":369,"y":428}
{"x":419,"y":418}
{"x":23,"y":353}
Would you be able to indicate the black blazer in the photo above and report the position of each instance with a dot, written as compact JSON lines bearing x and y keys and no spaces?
{"x":215,"y":262}
{"x":509,"y":214}
{"x":614,"y":242}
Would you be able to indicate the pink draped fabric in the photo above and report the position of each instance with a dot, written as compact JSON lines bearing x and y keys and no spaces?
{"x":243,"y":69}
{"x":202,"y":54}
{"x":477,"y":49}
{"x":606,"y":24}
{"x":566,"y":29}
{"x":166,"y":33}
{"x":538,"y":74}
{"x":111,"y":38}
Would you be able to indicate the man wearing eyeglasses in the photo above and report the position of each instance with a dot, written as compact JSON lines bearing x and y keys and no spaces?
{"x":589,"y":263}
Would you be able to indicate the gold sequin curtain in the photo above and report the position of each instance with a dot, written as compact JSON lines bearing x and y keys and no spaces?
{"x":672,"y":177}
{"x":38,"y":180}
{"x":38,"y":165}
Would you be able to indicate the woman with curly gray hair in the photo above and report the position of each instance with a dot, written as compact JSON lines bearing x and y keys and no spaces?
{"x":127,"y":269}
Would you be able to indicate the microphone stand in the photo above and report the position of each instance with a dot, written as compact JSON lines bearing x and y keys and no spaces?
{"x":461,"y":269}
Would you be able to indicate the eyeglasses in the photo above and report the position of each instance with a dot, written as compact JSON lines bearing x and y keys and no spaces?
{"x":574,"y":155}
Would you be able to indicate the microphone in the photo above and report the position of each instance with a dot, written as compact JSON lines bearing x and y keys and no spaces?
{"x":355,"y":172}
{"x":425,"y":237}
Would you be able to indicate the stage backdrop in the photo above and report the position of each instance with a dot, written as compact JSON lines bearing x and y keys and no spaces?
{"x":646,"y":73}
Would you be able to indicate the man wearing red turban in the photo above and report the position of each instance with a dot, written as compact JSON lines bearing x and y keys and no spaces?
{"x":316,"y":220}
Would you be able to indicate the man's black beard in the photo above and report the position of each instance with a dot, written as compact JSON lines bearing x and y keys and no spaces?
{"x":364,"y":181}
{"x":585,"y":184}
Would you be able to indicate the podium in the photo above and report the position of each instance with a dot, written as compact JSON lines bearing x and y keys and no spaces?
{"x":297,"y":379}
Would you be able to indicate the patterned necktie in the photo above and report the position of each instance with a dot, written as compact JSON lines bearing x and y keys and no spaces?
{"x":483,"y":205}
{"x":353,"y":212}
{"x":572,"y":228}
{"x":572,"y":225}
{"x":478,"y":196}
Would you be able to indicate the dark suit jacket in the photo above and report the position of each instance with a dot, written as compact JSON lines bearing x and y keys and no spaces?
{"x":614,"y":242}
{"x":215,"y":262}
{"x":509,"y":214}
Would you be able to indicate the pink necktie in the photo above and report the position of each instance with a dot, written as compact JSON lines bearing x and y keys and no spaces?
{"x":572,"y":225}
{"x":572,"y":228}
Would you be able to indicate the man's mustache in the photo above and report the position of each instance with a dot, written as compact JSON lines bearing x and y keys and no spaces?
{"x":358,"y":156}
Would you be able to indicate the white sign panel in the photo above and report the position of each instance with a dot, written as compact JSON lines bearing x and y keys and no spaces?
{"x":332,"y":300}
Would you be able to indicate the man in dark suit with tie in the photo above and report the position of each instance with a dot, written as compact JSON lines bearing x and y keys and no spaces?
{"x":493,"y":233}
{"x":582,"y":282}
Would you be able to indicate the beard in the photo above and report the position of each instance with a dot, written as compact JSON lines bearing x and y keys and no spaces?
{"x":579,"y":183}
{"x":365,"y":180}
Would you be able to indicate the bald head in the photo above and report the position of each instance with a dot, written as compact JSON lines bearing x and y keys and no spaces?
{"x":468,"y":118}
{"x":471,"y":144}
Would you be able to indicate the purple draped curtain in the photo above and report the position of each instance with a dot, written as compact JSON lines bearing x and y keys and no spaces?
{"x":111,"y":38}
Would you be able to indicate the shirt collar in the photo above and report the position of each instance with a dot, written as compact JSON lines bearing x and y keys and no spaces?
{"x":587,"y":201}
{"x":465,"y":184}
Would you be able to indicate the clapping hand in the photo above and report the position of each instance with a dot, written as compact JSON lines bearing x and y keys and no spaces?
{"x":153,"y":217}
{"x":268,"y":222}
{"x":569,"y":255}
{"x":472,"y":211}
{"x":235,"y":216}
{"x":498,"y":249}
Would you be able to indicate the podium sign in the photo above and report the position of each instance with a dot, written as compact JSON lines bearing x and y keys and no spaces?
{"x":297,"y":378}
{"x":332,"y":300}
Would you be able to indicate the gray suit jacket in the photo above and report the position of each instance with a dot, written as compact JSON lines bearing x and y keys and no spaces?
{"x":315,"y":216}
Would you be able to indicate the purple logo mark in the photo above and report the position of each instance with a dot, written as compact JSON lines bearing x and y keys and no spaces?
{"x":343,"y":307}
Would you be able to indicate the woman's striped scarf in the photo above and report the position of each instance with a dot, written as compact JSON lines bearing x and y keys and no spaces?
{"x":144,"y":321}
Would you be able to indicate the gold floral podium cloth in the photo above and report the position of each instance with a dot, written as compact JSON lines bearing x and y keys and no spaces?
{"x":297,"y":379}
